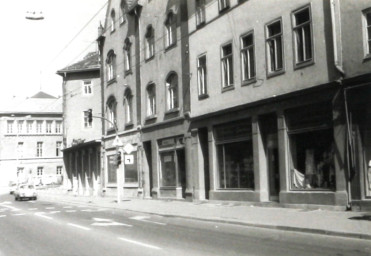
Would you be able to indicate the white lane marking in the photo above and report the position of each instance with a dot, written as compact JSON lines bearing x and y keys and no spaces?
{"x":139,"y":243}
{"x":87,"y":210}
{"x":54,"y":212}
{"x":19,"y":214}
{"x":32,"y":209}
{"x":5,"y":204}
{"x":49,"y":208}
{"x":71,"y":211}
{"x":2,"y":216}
{"x":3,"y":210}
{"x":67,"y":207}
{"x":78,"y":226}
{"x":41,"y":214}
{"x":31,"y":202}
{"x":145,"y":219}
{"x":108,"y":222}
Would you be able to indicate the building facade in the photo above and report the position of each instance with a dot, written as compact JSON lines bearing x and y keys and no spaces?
{"x":82,"y":133}
{"x":31,"y":141}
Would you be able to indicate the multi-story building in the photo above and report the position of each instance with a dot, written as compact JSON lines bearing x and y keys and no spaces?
{"x":279,"y":98}
{"x":82,"y":134}
{"x":146,"y":96}
{"x":31,"y":141}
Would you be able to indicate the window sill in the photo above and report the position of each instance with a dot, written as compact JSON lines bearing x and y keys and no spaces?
{"x":200,"y":25}
{"x":225,"y":9}
{"x":303,"y":64}
{"x":129,"y":126}
{"x":113,"y":80}
{"x":203,"y":96}
{"x":249,"y":81}
{"x":128,"y":72}
{"x":113,"y":31}
{"x":149,"y":118}
{"x":171,"y":111}
{"x":168,"y":48}
{"x":228,"y":88}
{"x":367,"y":58}
{"x":150,"y":58}
{"x":122,"y":22}
{"x":275,"y":73}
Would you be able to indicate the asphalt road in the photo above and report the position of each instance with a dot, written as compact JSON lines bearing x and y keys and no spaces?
{"x":42,"y":228}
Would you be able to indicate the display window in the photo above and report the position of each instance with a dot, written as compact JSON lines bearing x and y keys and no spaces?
{"x":311,"y":147}
{"x":168,"y":169}
{"x":235,"y":155}
{"x":131,"y":173}
{"x":111,"y":169}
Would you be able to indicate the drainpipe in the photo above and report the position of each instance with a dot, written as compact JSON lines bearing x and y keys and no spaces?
{"x":338,"y":61}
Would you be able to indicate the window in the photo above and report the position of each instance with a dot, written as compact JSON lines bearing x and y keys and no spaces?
{"x":172,"y":92}
{"x":58,"y":148}
{"x":39,"y":126}
{"x":235,"y":155}
{"x":367,"y":31}
{"x":87,"y":123}
{"x":274,"y":46}
{"x":227,"y":65}
{"x":202,"y":75}
{"x":111,"y":112}
{"x":40,"y":171}
{"x":247,"y":57}
{"x":302,"y":29}
{"x":122,"y":12}
{"x":111,"y":66}
{"x":151,"y":100}
{"x":150,"y":42}
{"x":170,"y":30}
{"x":39,"y":149}
{"x":127,"y":55}
{"x":311,"y":147}
{"x":29,"y":126}
{"x":113,"y":17}
{"x":223,"y":4}
{"x":58,"y":127}
{"x":20,"y":149}
{"x":87,"y":87}
{"x":200,"y":12}
{"x":128,"y":105}
{"x":9,"y":127}
{"x":59,"y":170}
{"x":20,"y":126}
{"x":48,"y":127}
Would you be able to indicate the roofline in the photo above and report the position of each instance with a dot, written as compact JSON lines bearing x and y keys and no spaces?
{"x":60,"y":72}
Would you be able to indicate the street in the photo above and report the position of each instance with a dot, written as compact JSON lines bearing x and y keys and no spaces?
{"x":43,"y":228}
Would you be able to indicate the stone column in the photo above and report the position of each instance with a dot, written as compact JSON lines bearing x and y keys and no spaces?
{"x":283,"y":154}
{"x":189,"y":167}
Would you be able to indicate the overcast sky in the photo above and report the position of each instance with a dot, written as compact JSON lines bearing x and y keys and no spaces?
{"x":32,"y":51}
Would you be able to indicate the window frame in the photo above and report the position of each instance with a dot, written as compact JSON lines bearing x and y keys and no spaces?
{"x":111,"y":113}
{"x":58,"y":127}
{"x":112,"y":20}
{"x":10,"y":126}
{"x":306,"y":61}
{"x":151,"y":101}
{"x":58,"y":148}
{"x":200,"y":12}
{"x":39,"y":149}
{"x":39,"y":126}
{"x":128,"y":106}
{"x":127,"y":56}
{"x":230,"y":70}
{"x":149,"y":42}
{"x":251,"y":78}
{"x":170,"y":30}
{"x":276,"y":71}
{"x":122,"y":17}
{"x":223,"y":5}
{"x":172,"y":97}
{"x":48,"y":126}
{"x":111,"y":67}
{"x":86,"y":123}
{"x":366,"y":34}
{"x":202,"y":77}
{"x":87,"y":87}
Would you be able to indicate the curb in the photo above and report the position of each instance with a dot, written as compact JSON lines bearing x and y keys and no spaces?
{"x":228,"y":221}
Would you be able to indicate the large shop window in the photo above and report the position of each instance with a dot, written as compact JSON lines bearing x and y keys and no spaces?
{"x":235,"y":155}
{"x":311,"y":147}
{"x":112,"y":178}
{"x":168,"y":169}
{"x":131,"y":173}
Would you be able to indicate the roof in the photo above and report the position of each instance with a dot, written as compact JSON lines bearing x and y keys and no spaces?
{"x":40,"y":103}
{"x":89,"y":62}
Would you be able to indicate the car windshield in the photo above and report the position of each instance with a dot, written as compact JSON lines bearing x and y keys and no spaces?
{"x":22,"y":187}
{"x":30,"y":186}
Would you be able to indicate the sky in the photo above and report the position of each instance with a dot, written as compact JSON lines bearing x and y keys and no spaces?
{"x":33,"y":50}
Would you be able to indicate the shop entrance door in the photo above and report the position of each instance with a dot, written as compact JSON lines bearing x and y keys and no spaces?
{"x":181,"y":170}
{"x":274,"y":176}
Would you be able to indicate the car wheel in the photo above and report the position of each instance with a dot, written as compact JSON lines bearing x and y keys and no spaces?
{"x":16,"y":198}
{"x":35,"y":198}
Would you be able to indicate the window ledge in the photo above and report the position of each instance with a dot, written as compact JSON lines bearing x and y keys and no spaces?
{"x":228,"y":88}
{"x":222,"y":11}
{"x":113,"y":80}
{"x":168,"y":48}
{"x":367,"y":58}
{"x":303,"y":64}
{"x":150,"y":58}
{"x":113,"y":31}
{"x":170,"y":111}
{"x":249,"y":81}
{"x":203,"y":96}
{"x":128,"y":72}
{"x":275,"y":73}
{"x":200,"y":25}
{"x":151,"y":117}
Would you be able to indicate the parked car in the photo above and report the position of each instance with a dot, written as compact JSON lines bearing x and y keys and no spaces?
{"x":25,"y":191}
{"x":12,"y":187}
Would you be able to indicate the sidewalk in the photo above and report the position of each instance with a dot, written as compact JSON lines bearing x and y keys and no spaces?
{"x":335,"y":223}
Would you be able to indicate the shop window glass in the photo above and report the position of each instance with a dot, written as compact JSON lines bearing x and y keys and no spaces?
{"x":168,"y":169}
{"x":311,"y":148}
{"x":131,"y":173}
{"x":111,"y":169}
